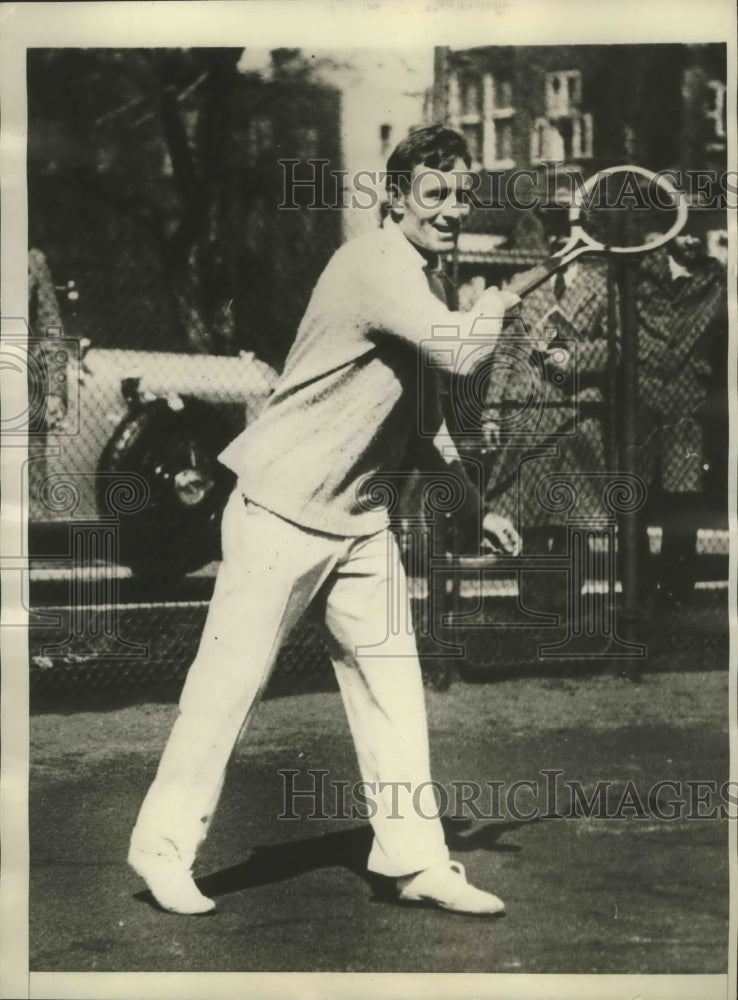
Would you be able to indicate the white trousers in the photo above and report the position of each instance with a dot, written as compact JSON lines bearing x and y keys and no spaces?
{"x":271,"y":571}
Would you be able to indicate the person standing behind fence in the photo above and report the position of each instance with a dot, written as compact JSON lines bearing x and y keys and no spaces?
{"x":45,"y":323}
{"x":304,"y":519}
{"x":47,"y":385}
{"x":544,"y":414}
{"x":682,"y":339}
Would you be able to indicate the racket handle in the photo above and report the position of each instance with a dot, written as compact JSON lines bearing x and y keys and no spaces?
{"x":532,"y":279}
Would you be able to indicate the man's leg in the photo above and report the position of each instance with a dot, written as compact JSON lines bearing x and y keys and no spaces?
{"x":544,"y":591}
{"x":683,"y":462}
{"x":376,"y":662}
{"x":678,"y":561}
{"x":271,"y":569}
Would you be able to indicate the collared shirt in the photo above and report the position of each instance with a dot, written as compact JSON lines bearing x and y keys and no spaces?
{"x":347,"y":405}
{"x":677,"y":270}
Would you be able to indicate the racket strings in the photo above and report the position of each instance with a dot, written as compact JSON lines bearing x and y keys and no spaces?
{"x":626,"y":211}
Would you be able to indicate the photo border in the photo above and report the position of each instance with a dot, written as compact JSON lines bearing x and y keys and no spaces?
{"x":304,"y":24}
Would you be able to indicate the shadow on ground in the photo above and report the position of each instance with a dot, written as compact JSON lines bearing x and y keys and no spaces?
{"x":347,"y":849}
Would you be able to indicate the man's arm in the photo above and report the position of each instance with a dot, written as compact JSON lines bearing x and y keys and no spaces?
{"x":400,"y":304}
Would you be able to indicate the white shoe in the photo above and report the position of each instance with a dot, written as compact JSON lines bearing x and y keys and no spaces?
{"x":170,"y":883}
{"x":446,"y":886}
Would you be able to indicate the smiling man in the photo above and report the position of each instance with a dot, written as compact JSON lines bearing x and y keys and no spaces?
{"x":304,"y":518}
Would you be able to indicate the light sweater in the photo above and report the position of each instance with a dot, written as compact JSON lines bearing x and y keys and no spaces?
{"x":359,"y":384}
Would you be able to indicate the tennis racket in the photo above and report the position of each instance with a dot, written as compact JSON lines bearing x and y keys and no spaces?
{"x":600,"y":221}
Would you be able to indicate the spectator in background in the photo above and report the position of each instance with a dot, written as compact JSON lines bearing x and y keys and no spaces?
{"x":557,"y":403}
{"x":544,"y":410}
{"x":43,"y":306}
{"x":47,"y":387}
{"x":44,"y":320}
{"x":682,"y":345}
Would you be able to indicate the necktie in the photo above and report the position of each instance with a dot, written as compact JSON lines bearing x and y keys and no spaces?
{"x":559,"y":288}
{"x":441,"y":286}
{"x":437,"y":393}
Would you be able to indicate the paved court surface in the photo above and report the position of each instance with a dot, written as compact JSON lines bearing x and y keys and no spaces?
{"x":627,"y":895}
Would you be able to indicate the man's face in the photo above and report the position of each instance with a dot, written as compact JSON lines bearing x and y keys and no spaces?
{"x":686,"y":250}
{"x":431,"y":211}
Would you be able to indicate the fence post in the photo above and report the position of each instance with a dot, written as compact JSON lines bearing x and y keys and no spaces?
{"x":630,"y":523}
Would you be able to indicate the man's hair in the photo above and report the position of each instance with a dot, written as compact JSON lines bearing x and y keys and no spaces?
{"x":437,"y":147}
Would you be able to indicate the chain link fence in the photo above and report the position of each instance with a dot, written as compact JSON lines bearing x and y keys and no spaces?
{"x":148,"y":353}
{"x":125,"y":495}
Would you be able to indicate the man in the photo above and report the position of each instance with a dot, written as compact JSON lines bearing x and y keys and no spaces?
{"x":304,"y":518}
{"x":44,"y":319}
{"x":47,"y":385}
{"x":682,"y":344}
{"x":546,"y":412}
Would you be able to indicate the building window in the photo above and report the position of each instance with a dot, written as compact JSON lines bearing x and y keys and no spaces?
{"x":501,"y":118}
{"x":502,"y":92}
{"x":471,"y":96}
{"x":565,"y":133}
{"x":503,"y":140}
{"x":715,"y":112}
{"x":385,"y":139}
{"x":480,"y":106}
{"x":473,"y":134}
{"x":563,"y":93}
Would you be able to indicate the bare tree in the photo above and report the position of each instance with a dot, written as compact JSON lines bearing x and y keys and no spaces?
{"x":183,"y":146}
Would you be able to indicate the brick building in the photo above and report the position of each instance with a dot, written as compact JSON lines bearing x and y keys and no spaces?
{"x":583,"y":107}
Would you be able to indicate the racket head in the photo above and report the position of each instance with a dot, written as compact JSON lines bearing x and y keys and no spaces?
{"x":643,"y":228}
